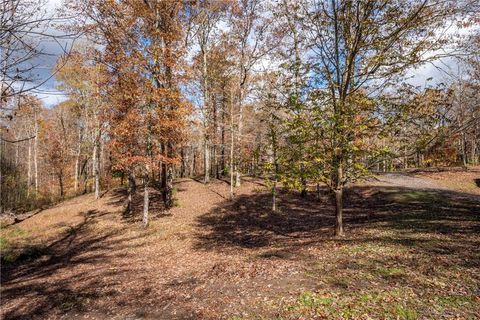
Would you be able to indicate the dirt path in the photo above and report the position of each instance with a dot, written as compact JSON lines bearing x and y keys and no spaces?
{"x":465,"y":181}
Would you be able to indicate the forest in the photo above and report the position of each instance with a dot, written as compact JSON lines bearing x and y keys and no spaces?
{"x":240,"y":159}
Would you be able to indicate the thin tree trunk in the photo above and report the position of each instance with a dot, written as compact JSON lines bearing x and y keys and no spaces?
{"x":238,"y":175}
{"x":214,"y":139}
{"x":214,"y":163}
{"x":95,"y":168}
{"x":339,"y":212}
{"x":275,"y":181}
{"x":474,"y":153}
{"x":182,"y":164}
{"x":77,"y":164}
{"x":274,"y":194}
{"x":168,"y":192}
{"x":232,"y":193}
{"x":338,"y":192}
{"x":223,"y":146}
{"x":145,"y":202}
{"x":464,"y":151}
{"x":206,"y":143}
{"x":29,"y":168}
{"x":206,"y":162}
{"x":60,"y":182}
{"x":131,"y":191}
{"x":194,"y":163}
{"x":35,"y":156}
{"x":167,"y":179}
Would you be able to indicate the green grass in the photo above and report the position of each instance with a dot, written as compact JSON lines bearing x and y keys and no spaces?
{"x":410,"y":196}
{"x":14,"y":244}
{"x":4,"y":244}
{"x":391,"y":272}
{"x":406,"y":313}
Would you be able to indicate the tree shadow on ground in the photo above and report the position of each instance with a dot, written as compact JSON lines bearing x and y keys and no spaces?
{"x":248,"y":221}
{"x":156,"y":204}
{"x":66,"y":274}
{"x":405,"y":248}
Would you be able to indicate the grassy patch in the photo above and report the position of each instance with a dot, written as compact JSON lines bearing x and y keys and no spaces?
{"x":416,"y":196}
{"x":4,"y":244}
{"x":452,"y":301}
{"x":392,"y":272}
{"x":406,"y":313}
{"x":16,"y":244}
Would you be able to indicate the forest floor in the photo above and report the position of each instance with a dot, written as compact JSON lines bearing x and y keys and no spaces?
{"x":411,"y":251}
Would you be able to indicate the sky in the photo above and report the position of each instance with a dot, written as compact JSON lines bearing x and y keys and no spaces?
{"x":47,"y":92}
{"x":51,"y":96}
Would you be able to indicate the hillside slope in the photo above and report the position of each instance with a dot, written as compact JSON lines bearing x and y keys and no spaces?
{"x":211,"y":258}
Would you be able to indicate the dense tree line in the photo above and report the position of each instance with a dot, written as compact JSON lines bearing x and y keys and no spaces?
{"x":301,"y":93}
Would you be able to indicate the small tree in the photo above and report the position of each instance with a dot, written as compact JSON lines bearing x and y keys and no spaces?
{"x":358,"y":47}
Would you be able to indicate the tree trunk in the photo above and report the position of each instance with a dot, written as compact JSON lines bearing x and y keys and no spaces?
{"x":77,"y":164}
{"x":95,"y":168}
{"x":194,"y":163}
{"x":84,"y":171}
{"x":168,"y":191}
{"x":29,"y":168}
{"x":464,"y":151}
{"x":206,"y":111}
{"x":35,"y":157}
{"x":339,"y":212}
{"x":473,"y":151}
{"x":223,"y":144}
{"x":206,"y":155}
{"x":131,"y":191}
{"x":182,"y":164}
{"x":238,"y":176}
{"x":60,"y":182}
{"x":274,"y":195}
{"x":232,"y":193}
{"x":145,"y":203}
{"x":215,"y":162}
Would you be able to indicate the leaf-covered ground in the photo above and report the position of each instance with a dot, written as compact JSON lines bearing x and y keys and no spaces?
{"x":412,"y":251}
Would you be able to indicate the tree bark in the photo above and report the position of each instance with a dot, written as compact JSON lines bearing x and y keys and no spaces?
{"x":223,"y":144}
{"x":232,"y":192}
{"x":29,"y":168}
{"x":131,"y":191}
{"x":35,"y":156}
{"x":168,"y":191}
{"x":77,"y":164}
{"x":206,"y":105}
{"x":145,"y":203}
{"x":60,"y":182}
{"x":206,"y":162}
{"x":464,"y":151}
{"x":182,"y":164}
{"x":339,"y":212}
{"x":95,"y":168}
